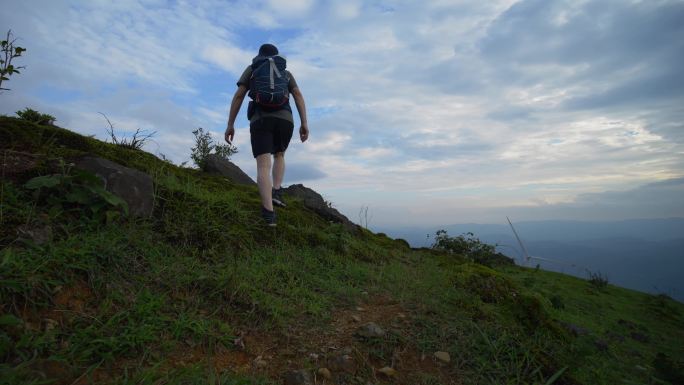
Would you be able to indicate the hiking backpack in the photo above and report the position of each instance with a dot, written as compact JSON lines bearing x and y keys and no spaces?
{"x":269,"y":81}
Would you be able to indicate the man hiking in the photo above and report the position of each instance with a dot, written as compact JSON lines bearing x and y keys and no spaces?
{"x":270,"y":121}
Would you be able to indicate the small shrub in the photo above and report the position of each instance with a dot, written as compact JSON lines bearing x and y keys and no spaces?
{"x":136,"y":142}
{"x":204,"y":145}
{"x":663,"y":305}
{"x":35,"y":116}
{"x":598,"y":279}
{"x":530,"y":311}
{"x":490,"y":288}
{"x":489,"y":285}
{"x":557,"y":302}
{"x":471,"y":248}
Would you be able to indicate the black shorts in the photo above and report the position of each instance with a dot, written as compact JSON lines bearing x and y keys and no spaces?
{"x":270,"y":135}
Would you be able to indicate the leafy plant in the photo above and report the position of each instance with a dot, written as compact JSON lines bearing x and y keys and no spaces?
{"x":470,"y":247}
{"x":9,"y":52}
{"x":136,"y":142}
{"x":71,"y":191}
{"x":598,"y":280}
{"x":204,"y":145}
{"x":35,"y":116}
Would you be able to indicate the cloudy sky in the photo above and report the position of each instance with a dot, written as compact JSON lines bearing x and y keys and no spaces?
{"x":427,"y":112}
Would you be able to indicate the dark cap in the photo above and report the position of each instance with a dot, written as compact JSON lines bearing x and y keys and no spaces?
{"x":268,"y":50}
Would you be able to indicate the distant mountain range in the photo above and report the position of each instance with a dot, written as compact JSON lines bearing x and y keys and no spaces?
{"x":641,"y":254}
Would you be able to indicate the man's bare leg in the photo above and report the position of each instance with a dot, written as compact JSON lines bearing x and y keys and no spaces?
{"x":264,"y":180}
{"x":278,"y":169}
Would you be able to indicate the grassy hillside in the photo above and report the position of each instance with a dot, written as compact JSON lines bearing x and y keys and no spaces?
{"x":203,"y":293}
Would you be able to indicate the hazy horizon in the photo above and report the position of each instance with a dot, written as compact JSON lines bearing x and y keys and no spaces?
{"x":641,"y":254}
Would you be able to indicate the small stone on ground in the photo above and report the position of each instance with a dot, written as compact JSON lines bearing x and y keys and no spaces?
{"x":387,"y":371}
{"x":298,"y":377}
{"x":370,"y":330}
{"x":325,"y":373}
{"x":443,"y":356}
{"x":342,"y":363}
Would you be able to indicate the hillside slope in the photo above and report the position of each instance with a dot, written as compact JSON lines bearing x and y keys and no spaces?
{"x":201,"y":292}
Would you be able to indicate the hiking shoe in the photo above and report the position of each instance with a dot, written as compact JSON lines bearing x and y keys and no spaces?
{"x":277,"y":196}
{"x":269,"y":217}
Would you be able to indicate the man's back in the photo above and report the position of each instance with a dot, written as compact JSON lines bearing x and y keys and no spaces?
{"x":270,"y":131}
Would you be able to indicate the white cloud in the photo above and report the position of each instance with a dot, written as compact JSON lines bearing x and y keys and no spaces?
{"x":346,"y":10}
{"x":229,"y":58}
{"x":290,"y":8}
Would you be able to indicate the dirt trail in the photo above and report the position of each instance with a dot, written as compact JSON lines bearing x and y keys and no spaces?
{"x":351,"y":359}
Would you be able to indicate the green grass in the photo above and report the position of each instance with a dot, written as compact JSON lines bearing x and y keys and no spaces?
{"x":609,"y":314}
{"x":116,"y":301}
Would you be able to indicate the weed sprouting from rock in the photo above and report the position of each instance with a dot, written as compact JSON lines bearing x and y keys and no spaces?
{"x":73,"y":190}
{"x":204,"y":145}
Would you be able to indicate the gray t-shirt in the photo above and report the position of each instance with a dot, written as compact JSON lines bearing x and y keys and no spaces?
{"x":282,"y":113}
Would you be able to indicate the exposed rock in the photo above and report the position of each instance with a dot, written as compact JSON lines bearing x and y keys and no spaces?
{"x":298,"y":377}
{"x":443,"y":356}
{"x":217,"y":165}
{"x":370,"y":330}
{"x":574,"y":329}
{"x":259,"y":362}
{"x":613,"y":336}
{"x":601,"y":345}
{"x":133,"y":186}
{"x":342,"y":363}
{"x":39,"y":235}
{"x":624,"y":322}
{"x":389,"y":372}
{"x":325,"y":373}
{"x":239,"y":342}
{"x":641,"y":337}
{"x":50,"y":324}
{"x":314,"y":201}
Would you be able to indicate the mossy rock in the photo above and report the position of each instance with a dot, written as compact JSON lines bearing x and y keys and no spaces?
{"x":530,"y":311}
{"x":486,"y":283}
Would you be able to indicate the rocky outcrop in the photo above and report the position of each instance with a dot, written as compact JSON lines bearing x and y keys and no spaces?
{"x":220,"y":166}
{"x":133,"y":186}
{"x":314,"y":201}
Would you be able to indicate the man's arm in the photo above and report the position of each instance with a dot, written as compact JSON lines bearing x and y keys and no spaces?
{"x":301,"y":108}
{"x":235,"y":105}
